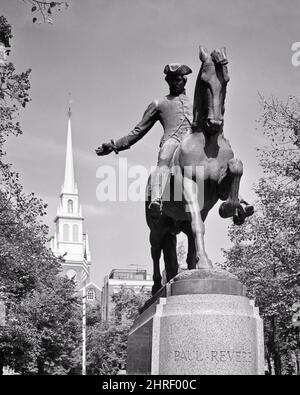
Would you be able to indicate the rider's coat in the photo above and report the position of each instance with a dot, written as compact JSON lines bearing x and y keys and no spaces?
{"x":175,"y":113}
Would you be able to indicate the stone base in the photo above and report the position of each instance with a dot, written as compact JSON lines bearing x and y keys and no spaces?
{"x":200,"y":333}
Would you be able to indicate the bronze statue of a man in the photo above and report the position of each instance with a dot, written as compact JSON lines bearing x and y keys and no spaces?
{"x":175,"y":113}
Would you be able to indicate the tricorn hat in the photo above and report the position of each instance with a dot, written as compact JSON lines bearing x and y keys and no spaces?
{"x":177,"y":69}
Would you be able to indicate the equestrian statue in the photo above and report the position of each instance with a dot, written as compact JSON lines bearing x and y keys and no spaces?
{"x":196,"y":165}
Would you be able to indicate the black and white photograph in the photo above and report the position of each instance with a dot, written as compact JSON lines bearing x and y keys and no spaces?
{"x":149,"y":190}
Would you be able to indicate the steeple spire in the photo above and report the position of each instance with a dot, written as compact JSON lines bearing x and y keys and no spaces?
{"x":69,"y":183}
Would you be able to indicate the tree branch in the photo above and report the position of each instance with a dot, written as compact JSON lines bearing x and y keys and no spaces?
{"x":43,"y":9}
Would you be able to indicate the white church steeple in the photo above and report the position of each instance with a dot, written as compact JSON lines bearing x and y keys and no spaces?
{"x":69,"y":185}
{"x":69,"y":239}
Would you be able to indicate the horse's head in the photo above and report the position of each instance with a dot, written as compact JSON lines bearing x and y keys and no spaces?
{"x":210,"y":91}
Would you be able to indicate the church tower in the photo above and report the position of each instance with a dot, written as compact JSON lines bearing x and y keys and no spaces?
{"x":69,"y":240}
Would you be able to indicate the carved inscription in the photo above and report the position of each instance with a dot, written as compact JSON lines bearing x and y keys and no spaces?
{"x":188,"y":355}
{"x":218,"y":356}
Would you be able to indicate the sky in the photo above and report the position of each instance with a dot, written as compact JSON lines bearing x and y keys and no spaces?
{"x":109,"y":56}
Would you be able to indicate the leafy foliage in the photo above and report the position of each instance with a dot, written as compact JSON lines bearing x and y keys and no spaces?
{"x":266,"y":253}
{"x":181,"y":255}
{"x":41,"y":331}
{"x":14,"y":91}
{"x":281,"y":123}
{"x":5,"y":31}
{"x":107,"y":341}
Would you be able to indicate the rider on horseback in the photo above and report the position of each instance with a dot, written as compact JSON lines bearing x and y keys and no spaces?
{"x":175,"y":113}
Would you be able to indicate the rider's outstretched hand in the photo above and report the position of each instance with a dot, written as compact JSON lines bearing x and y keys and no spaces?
{"x":105,"y":149}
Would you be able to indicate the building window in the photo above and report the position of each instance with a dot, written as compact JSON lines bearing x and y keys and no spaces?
{"x":75,"y":233}
{"x":70,"y":206}
{"x":91,"y":294}
{"x":66,"y":232}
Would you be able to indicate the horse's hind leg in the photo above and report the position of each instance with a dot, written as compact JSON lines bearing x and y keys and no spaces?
{"x":156,"y":249}
{"x":170,"y":255}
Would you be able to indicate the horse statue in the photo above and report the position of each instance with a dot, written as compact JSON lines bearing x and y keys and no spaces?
{"x":204,"y":167}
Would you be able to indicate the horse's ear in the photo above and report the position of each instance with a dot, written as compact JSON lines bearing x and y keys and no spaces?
{"x":223,"y":51}
{"x":219,"y":55}
{"x":203,"y":53}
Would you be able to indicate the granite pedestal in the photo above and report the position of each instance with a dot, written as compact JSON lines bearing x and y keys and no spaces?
{"x":203,"y":324}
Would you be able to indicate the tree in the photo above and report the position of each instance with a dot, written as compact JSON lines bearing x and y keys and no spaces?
{"x":107,"y":341}
{"x":181,"y":255}
{"x":281,"y":125}
{"x":43,"y":330}
{"x":93,"y":314}
{"x":42,"y":324}
{"x":265,"y":253}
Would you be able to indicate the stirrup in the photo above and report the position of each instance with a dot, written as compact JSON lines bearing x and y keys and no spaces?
{"x":155,"y":206}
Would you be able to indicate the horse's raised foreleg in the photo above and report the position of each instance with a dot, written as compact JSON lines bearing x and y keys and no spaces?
{"x":234,"y":206}
{"x":170,"y":255}
{"x":190,"y":191}
{"x":247,"y":211}
{"x":230,"y":190}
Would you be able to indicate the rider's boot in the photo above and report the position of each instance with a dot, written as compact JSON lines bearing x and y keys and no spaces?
{"x":158,"y":184}
{"x":155,"y":208}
